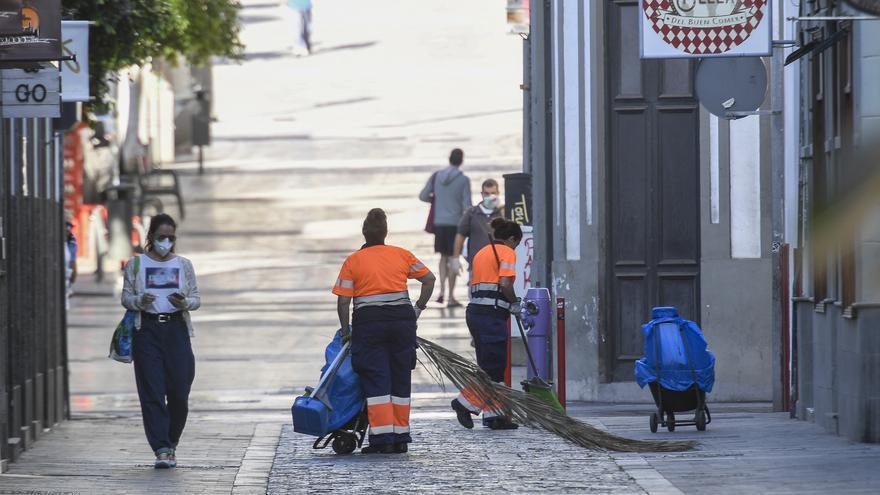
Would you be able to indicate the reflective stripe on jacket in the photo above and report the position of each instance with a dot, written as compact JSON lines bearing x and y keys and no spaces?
{"x":377,"y":275}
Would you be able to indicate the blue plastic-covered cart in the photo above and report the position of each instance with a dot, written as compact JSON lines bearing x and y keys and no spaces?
{"x":678,"y":367}
{"x":335,"y":409}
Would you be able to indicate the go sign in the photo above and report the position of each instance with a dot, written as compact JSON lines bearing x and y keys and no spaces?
{"x":26,"y":93}
{"x":30,"y":94}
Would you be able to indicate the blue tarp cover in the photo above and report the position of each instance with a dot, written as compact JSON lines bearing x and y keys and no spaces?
{"x":345,"y":393}
{"x":665,"y":339}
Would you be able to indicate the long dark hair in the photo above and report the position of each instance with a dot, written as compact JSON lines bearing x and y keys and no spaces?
{"x":156,"y":222}
{"x":375,"y":228}
{"x":505,"y":229}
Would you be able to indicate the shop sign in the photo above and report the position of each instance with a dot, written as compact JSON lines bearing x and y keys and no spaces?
{"x":28,"y":94}
{"x":705,"y":28}
{"x":30,"y":30}
{"x":75,"y":73}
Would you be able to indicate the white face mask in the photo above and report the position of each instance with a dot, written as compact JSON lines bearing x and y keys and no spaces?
{"x":163,"y":247}
{"x":491,"y":202}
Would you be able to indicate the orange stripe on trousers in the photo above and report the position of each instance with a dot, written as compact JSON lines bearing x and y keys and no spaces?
{"x":477,"y":401}
{"x":401,"y":415}
{"x":381,"y":414}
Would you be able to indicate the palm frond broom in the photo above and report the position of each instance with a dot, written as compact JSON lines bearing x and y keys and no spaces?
{"x":530,"y":410}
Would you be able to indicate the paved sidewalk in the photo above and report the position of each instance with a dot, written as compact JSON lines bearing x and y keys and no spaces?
{"x":108,"y":455}
{"x":748,"y":451}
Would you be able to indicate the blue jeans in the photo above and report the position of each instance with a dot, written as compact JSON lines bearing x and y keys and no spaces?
{"x":164,"y":368}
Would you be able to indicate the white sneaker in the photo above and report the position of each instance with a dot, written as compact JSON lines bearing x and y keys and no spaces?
{"x":173,"y":458}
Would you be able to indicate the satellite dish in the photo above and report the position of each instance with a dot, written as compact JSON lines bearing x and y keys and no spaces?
{"x":727,"y":85}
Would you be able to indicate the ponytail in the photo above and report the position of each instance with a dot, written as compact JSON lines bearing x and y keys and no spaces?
{"x":375,"y":227}
{"x":505,"y":229}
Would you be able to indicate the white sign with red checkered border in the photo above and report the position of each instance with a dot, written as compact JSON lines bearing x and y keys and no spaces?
{"x":705,"y":28}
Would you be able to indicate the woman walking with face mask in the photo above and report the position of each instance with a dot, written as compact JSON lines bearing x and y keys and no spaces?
{"x":161,"y":287}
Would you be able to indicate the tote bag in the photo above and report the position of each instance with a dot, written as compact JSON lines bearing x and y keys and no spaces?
{"x":120,"y":344}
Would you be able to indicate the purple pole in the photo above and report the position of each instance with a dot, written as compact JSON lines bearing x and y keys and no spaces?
{"x":538,"y":330}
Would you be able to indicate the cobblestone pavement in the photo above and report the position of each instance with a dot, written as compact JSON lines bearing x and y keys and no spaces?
{"x":446,"y":458}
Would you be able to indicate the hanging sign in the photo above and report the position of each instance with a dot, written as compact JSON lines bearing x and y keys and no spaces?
{"x":30,"y":30}
{"x":75,"y":73}
{"x":705,"y":28}
{"x":28,"y":94}
{"x":10,"y":17}
{"x":74,"y":166}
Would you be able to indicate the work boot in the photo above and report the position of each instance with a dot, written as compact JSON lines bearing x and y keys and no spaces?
{"x":401,"y":448}
{"x":378,"y":449}
{"x":501,"y":423}
{"x":463,"y":414}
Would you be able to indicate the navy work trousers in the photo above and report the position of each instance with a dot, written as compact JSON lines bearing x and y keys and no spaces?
{"x":164,"y":368}
{"x":490,"y":335}
{"x":383,"y":353}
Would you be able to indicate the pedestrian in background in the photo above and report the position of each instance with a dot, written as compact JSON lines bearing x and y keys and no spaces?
{"x":474,"y":226}
{"x":450,"y":192}
{"x":303,"y":14}
{"x":163,"y":291}
{"x":70,"y":249}
{"x":383,"y":335}
{"x":493,"y":300}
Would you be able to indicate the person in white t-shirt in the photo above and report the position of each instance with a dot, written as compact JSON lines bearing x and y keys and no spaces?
{"x":162,"y":287}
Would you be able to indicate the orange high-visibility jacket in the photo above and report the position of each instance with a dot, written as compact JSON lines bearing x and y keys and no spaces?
{"x":487,"y":273}
{"x":377,"y":276}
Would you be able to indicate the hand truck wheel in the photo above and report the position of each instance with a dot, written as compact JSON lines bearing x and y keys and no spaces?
{"x":701,"y":420}
{"x":344,"y":443}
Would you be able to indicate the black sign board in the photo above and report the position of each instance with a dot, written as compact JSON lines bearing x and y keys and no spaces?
{"x":10,"y":17}
{"x":518,"y":198}
{"x":30,"y":30}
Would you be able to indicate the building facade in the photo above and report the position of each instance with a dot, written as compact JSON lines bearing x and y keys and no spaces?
{"x":837,"y":268}
{"x":644,"y":199}
{"x":765,"y":230}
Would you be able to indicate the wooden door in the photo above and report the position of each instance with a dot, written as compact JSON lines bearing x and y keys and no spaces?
{"x":653,"y":220}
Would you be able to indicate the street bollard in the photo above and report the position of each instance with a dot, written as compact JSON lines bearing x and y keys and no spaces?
{"x":560,"y":350}
{"x":537,"y":315}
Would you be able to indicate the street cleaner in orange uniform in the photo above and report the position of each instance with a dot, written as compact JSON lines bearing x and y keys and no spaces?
{"x":492,"y":302}
{"x":383,"y":335}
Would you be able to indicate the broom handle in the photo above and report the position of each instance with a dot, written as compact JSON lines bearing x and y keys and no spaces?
{"x":519,"y":325}
{"x":526,"y":344}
